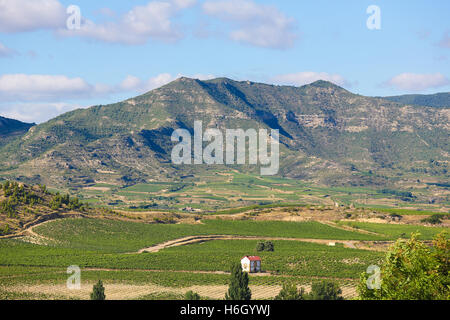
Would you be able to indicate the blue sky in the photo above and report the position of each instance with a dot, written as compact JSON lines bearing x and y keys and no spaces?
{"x":124,"y":48}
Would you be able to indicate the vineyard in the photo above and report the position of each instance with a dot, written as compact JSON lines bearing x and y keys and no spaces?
{"x":108,"y":249}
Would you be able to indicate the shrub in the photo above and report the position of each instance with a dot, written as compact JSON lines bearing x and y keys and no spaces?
{"x":412,"y":271}
{"x":434,"y":219}
{"x":190,"y":295}
{"x":260,"y":246}
{"x":98,"y":291}
{"x":290,"y":292}
{"x":268,"y":246}
{"x":325,"y":290}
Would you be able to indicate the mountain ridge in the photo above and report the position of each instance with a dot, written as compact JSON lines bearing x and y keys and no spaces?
{"x":11,"y":129}
{"x":328,"y":134}
{"x":438,"y":100}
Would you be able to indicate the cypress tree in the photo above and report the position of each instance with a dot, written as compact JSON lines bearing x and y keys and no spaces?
{"x":238,"y":289}
{"x":98,"y":292}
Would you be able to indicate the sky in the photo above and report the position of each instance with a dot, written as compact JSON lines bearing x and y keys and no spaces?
{"x":58,"y":55}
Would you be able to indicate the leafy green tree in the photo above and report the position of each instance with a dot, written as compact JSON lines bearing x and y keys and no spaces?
{"x":190,"y":295}
{"x":290,"y":292}
{"x":98,"y":291}
{"x":434,"y":219}
{"x":325,"y":290}
{"x":268,"y":246}
{"x":412,"y":271}
{"x":238,"y":289}
{"x":260,"y":246}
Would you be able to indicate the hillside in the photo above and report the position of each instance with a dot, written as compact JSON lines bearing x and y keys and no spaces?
{"x":10,"y":129}
{"x":22,"y":206}
{"x":438,"y":100}
{"x":328,"y":135}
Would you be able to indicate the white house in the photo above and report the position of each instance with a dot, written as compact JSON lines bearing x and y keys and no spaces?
{"x":251,"y":264}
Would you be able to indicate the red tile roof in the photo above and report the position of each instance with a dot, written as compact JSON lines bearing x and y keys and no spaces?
{"x":253,"y":258}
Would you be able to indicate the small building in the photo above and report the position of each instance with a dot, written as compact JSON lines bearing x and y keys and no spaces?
{"x":251,"y":264}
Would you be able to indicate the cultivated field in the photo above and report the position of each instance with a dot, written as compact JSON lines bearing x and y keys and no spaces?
{"x":141,"y":260}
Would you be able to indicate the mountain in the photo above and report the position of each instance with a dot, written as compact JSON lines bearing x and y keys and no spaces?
{"x":438,"y":100}
{"x":327,"y":134}
{"x":10,"y":129}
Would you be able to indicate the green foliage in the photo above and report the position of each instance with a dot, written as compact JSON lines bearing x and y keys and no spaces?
{"x":238,"y":289}
{"x":190,"y":295}
{"x":16,"y":195}
{"x":59,"y":201}
{"x":290,"y":292}
{"x":98,"y":291}
{"x":260,"y":246}
{"x":405,"y":194}
{"x":434,"y":219}
{"x":265,"y":246}
{"x":412,"y":271}
{"x":268,"y":246}
{"x":325,"y":290}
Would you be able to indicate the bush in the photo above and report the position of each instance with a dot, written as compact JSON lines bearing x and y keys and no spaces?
{"x":260,"y":246}
{"x":325,"y":290}
{"x":190,"y":295}
{"x":434,"y":219}
{"x":98,"y":291}
{"x":290,"y":292}
{"x":268,"y":246}
{"x":265,"y":246}
{"x":412,"y":271}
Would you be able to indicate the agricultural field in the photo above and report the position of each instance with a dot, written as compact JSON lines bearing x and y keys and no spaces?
{"x":214,"y":192}
{"x":34,"y":265}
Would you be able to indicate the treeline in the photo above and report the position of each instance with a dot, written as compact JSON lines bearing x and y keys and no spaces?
{"x":404,"y":195}
{"x":16,"y":195}
{"x":58,"y":201}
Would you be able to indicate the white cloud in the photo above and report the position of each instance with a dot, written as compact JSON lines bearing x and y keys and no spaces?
{"x":41,"y":87}
{"x":137,"y":26}
{"x":183,"y":4}
{"x":5,"y":51}
{"x":23,"y":87}
{"x":302,"y":78}
{"x":26,"y":15}
{"x":130,"y":83}
{"x":37,"y":98}
{"x":254,"y":24}
{"x":35,"y":112}
{"x":417,"y":81}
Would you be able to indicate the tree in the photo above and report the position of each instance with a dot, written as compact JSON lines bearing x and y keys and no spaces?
{"x":268,"y":246}
{"x":98,"y":291}
{"x":412,"y":271}
{"x":260,"y":246}
{"x":290,"y":292}
{"x":190,"y":295}
{"x":325,"y":290}
{"x":238,"y":289}
{"x":434,"y":219}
